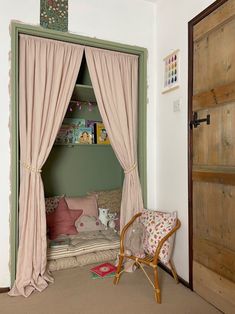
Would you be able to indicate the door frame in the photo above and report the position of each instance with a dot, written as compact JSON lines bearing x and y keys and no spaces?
{"x":215,"y":5}
{"x":16,"y":30}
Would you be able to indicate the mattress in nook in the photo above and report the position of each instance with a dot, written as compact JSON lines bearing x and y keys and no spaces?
{"x":83,"y":243}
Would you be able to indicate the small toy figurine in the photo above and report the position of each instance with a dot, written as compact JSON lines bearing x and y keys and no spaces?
{"x":103,"y":216}
{"x":111,"y":221}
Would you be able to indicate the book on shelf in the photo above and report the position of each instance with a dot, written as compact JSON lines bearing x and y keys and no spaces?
{"x":101,"y":136}
{"x":91,"y":124}
{"x":59,"y":243}
{"x":65,"y":134}
{"x":75,"y":122}
{"x":83,"y":135}
{"x":103,"y":269}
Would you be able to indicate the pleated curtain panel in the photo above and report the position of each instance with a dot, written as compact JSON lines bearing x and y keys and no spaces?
{"x":48,"y":72}
{"x":114,"y":77}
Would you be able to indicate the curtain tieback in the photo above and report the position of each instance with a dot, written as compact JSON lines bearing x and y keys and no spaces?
{"x":130,"y":169}
{"x":30,"y":168}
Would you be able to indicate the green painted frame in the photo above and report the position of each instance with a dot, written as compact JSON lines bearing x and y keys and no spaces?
{"x":19,"y":28}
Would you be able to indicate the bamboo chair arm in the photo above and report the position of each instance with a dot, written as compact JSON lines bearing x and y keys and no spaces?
{"x":124,"y":230}
{"x":163,"y":240}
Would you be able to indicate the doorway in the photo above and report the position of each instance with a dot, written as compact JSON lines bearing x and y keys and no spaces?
{"x":212,"y":154}
{"x":16,"y":30}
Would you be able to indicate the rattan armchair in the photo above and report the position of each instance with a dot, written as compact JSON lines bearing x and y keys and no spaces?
{"x":151,"y":261}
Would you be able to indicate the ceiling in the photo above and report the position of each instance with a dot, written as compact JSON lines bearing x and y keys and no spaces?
{"x":153,"y":1}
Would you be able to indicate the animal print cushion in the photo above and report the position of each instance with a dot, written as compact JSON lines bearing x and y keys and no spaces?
{"x":158,"y":225}
{"x":52,"y":203}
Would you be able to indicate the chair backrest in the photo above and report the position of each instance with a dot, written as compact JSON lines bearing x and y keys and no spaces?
{"x":159,"y":235}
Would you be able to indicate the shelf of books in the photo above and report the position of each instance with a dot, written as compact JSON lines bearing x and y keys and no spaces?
{"x":77,"y":131}
{"x":83,"y":145}
{"x":82,"y":125}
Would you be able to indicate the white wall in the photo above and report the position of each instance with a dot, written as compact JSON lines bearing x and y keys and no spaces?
{"x":172,"y":148}
{"x":125,"y":21}
{"x":27,"y":11}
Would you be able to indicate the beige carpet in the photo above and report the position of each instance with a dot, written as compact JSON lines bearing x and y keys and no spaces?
{"x":74,"y":292}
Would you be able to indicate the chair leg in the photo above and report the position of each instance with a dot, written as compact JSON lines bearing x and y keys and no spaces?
{"x":173,"y":271}
{"x":156,"y":286}
{"x":117,"y":275}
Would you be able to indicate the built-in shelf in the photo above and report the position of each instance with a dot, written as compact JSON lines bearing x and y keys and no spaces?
{"x":83,"y":93}
{"x":85,"y":145}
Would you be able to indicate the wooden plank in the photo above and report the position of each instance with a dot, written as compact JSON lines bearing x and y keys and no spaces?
{"x":217,"y":96}
{"x":215,"y":257}
{"x":214,"y":288}
{"x":220,"y":16}
{"x":228,"y":135}
{"x":214,"y":213}
{"x":214,"y":144}
{"x":214,"y":59}
{"x":207,"y":140}
{"x":218,"y":177}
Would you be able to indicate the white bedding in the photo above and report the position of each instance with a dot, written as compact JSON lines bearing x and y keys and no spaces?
{"x":85,"y":242}
{"x":81,"y":260}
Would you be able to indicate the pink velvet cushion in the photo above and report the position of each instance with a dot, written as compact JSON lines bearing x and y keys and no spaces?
{"x":75,"y":214}
{"x":158,"y":225}
{"x":87,"y":203}
{"x":62,"y":220}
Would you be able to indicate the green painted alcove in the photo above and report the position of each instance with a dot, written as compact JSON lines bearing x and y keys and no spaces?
{"x":74,"y":170}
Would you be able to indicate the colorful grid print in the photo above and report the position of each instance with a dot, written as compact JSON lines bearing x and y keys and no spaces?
{"x":171,"y":70}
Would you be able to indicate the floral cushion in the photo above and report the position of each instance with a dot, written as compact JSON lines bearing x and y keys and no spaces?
{"x":158,"y":225}
{"x":110,"y":199}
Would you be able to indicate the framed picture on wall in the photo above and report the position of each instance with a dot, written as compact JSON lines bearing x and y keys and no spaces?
{"x":171,"y":71}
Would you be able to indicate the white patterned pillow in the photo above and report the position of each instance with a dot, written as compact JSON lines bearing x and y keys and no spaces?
{"x":158,"y":225}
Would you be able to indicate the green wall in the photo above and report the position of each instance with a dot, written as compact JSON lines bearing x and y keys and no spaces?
{"x":79,"y":169}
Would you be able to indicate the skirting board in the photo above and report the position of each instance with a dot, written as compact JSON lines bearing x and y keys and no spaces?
{"x":4,"y":290}
{"x":181,"y":280}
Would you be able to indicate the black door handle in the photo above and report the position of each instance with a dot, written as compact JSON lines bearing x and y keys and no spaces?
{"x":196,"y":122}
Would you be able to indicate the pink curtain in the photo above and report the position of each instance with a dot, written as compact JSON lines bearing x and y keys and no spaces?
{"x":48,"y":72}
{"x":114,"y":78}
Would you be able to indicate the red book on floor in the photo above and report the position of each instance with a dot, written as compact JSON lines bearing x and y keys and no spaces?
{"x":104,"y":269}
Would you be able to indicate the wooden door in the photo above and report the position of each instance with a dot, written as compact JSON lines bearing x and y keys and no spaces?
{"x":213,"y":158}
